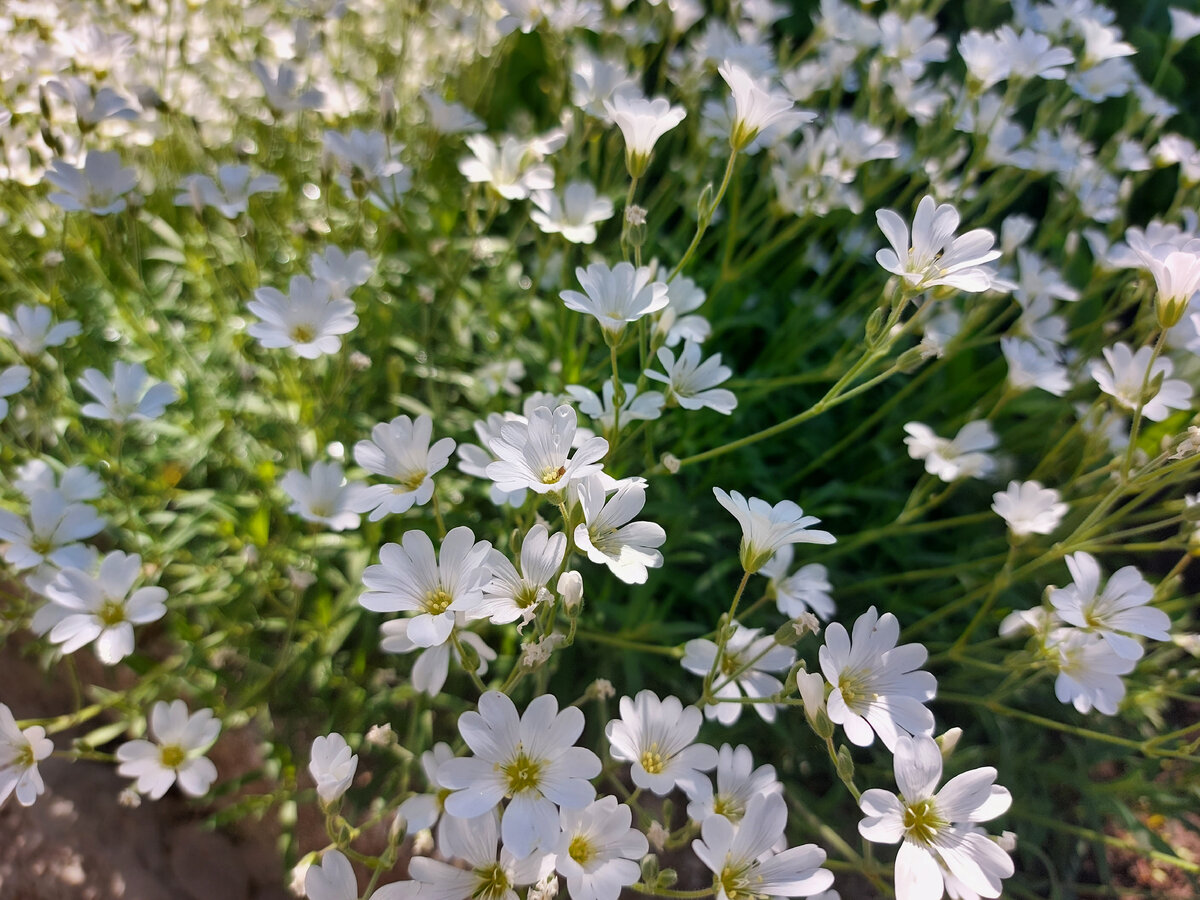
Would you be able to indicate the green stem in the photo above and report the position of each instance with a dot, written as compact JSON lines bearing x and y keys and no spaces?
{"x":705,"y":219}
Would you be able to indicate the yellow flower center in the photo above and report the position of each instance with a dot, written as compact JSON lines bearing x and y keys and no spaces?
{"x":302,"y":334}
{"x":437,"y":602}
{"x":111,"y":613}
{"x":522,"y":773}
{"x":551,"y":475}
{"x":410,"y":482}
{"x":737,"y":883}
{"x":25,"y":758}
{"x":856,"y":690}
{"x":526,"y":597}
{"x":581,"y":850}
{"x":730,"y":663}
{"x":491,"y":883}
{"x":652,"y":760}
{"x":921,"y":821}
{"x":728,"y":807}
{"x":172,"y":756}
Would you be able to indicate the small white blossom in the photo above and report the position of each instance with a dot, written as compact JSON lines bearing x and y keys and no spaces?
{"x":744,"y":668}
{"x":332,"y":766}
{"x":342,"y":271}
{"x":130,"y":396}
{"x":598,"y":852}
{"x":512,"y":595}
{"x":1089,"y":670}
{"x":963,"y":457}
{"x":20,"y":752}
{"x":30,"y":331}
{"x":645,"y":406}
{"x":609,"y":535}
{"x":642,"y":123}
{"x":806,"y":588}
{"x":1123,"y":375}
{"x":229,"y":194}
{"x":692,"y":383}
{"x":308,"y":319}
{"x":941,"y":842}
{"x":616,"y":296}
{"x":512,"y":168}
{"x":1029,"y":508}
{"x":574,"y":214}
{"x":758,"y":108}
{"x":52,"y":534}
{"x":658,"y":738}
{"x":449,"y":118}
{"x":400,"y":450}
{"x":878,"y":687}
{"x":1031,"y":366}
{"x":935,"y":256}
{"x":536,"y":454}
{"x":766,"y":528}
{"x":99,"y":187}
{"x":177,"y":752}
{"x":737,"y":783}
{"x":1115,"y":613}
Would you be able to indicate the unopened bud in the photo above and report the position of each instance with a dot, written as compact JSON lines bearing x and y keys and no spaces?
{"x":570,"y":588}
{"x":786,"y":635}
{"x":910,"y":360}
{"x":875,"y":323}
{"x":845,"y":763}
{"x":670,"y":462}
{"x":387,"y":106}
{"x":666,"y":878}
{"x":650,"y":869}
{"x":704,"y":205}
{"x":948,"y":741}
{"x":468,"y":656}
{"x":812,"y":691}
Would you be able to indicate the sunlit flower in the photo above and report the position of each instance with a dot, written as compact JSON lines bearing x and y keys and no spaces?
{"x":935,"y":256}
{"x":449,"y":118}
{"x":13,"y":380}
{"x":282,"y":88}
{"x":609,"y":535}
{"x":20,"y":752}
{"x":878,"y":687}
{"x":485,"y":877}
{"x":1123,"y":377}
{"x":432,"y":667}
{"x":410,"y":577}
{"x":177,"y":752}
{"x":1089,"y":670}
{"x":616,"y":296}
{"x":332,"y":766}
{"x":737,"y":783}
{"x":658,"y":738}
{"x":598,"y":852}
{"x":757,"y":107}
{"x":642,"y":123}
{"x":400,"y":450}
{"x":530,"y":759}
{"x":512,"y":595}
{"x":510,"y":167}
{"x":743,"y":857}
{"x":1117,"y":612}
{"x":536,"y":454}
{"x":342,"y":271}
{"x":692,"y":383}
{"x":806,"y":588}
{"x":101,"y":608}
{"x":766,"y":528}
{"x":940,"y":838}
{"x":1032,"y":366}
{"x":52,"y":534}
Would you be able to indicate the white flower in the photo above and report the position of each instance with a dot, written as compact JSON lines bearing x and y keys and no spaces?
{"x":1185,"y":25}
{"x":411,"y":578}
{"x":743,"y":670}
{"x":474,"y":459}
{"x":342,"y":271}
{"x":963,"y":457}
{"x":642,"y":123}
{"x":1125,"y":374}
{"x":332,"y":766}
{"x":743,"y":860}
{"x":616,"y":296}
{"x":1089,"y":670}
{"x":130,"y":396}
{"x":657,"y":737}
{"x":1176,"y":272}
{"x":609,"y":535}
{"x":1029,"y":508}
{"x":935,"y":255}
{"x":1031,"y":366}
{"x":323,"y":496}
{"x":683,"y":296}
{"x":1120,"y":610}
{"x":475,"y":842}
{"x":766,"y":528}
{"x":30,"y":331}
{"x":530,"y":759}
{"x":878,"y":688}
{"x":938,"y":830}
{"x":806,"y":588}
{"x":692,"y":383}
{"x":535,"y":454}
{"x":597,"y":852}
{"x":334,"y":879}
{"x":99,"y":187}
{"x":758,"y":108}
{"x":1030,"y":55}
{"x":594,"y":81}
{"x":738,"y":782}
{"x":308,"y":319}
{"x":12,"y":380}
{"x":20,"y":752}
{"x":77,"y":482}
{"x":368,"y":166}
{"x":513,"y":168}
{"x":229,"y":194}
{"x":573,"y":215}
{"x":102,"y":609}
{"x":424,"y":810}
{"x":432,"y":667}
{"x":55,"y":527}
{"x":177,"y":752}
{"x":400,"y":450}
{"x":647,"y":405}
{"x":282,"y":88}
{"x":91,"y":106}
{"x":512,"y":595}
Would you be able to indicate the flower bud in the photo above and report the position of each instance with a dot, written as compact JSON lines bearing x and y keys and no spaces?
{"x":845,"y":763}
{"x":570,"y":588}
{"x":948,"y":741}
